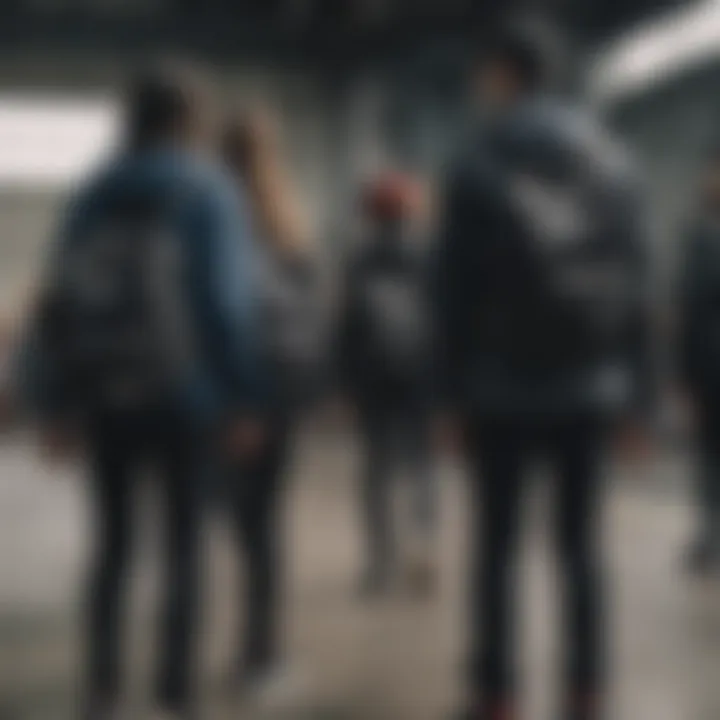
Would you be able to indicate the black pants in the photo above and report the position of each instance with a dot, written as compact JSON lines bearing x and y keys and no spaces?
{"x":396,"y":434}
{"x":501,"y":450}
{"x":708,"y":483}
{"x":256,"y":493}
{"x":120,"y":447}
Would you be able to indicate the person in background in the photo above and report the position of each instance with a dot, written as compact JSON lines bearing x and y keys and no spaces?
{"x":540,"y":291}
{"x":147,"y":354}
{"x":9,"y":411}
{"x":699,"y":346}
{"x":293,"y":344}
{"x":13,"y":358}
{"x":385,"y":353}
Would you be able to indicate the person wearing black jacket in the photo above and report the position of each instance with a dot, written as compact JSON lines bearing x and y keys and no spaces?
{"x":385,"y":357}
{"x":699,"y":351}
{"x":540,"y":295}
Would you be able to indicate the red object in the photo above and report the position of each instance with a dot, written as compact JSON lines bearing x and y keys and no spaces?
{"x":585,"y":706}
{"x":502,"y":712}
{"x":391,"y":196}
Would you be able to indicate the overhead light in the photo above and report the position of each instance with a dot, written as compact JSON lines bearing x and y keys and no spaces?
{"x":657,"y":52}
{"x":51,"y":141}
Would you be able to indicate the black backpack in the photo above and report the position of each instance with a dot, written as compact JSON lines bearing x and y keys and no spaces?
{"x":559,"y":263}
{"x":395,"y":320}
{"x":114,"y":322}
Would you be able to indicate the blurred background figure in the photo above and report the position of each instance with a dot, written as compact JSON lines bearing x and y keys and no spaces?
{"x":8,"y":391}
{"x":293,"y":341}
{"x":148,"y":353}
{"x":542,"y":306}
{"x":699,"y":351}
{"x":386,"y":361}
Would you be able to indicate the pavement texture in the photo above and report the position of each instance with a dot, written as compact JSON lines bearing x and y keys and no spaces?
{"x":399,"y":658}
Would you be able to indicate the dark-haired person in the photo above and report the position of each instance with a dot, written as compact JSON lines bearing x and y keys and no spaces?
{"x":148,"y":356}
{"x":540,"y":281}
{"x":699,"y":345}
{"x":292,"y":341}
{"x":386,"y":365}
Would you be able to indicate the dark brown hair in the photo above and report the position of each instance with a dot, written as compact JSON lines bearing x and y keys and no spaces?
{"x":162,"y":101}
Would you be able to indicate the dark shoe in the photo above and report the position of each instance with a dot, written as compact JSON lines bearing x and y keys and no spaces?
{"x":497,"y":711}
{"x":702,"y":559}
{"x":175,"y":714}
{"x":103,"y":710}
{"x":583,"y":707}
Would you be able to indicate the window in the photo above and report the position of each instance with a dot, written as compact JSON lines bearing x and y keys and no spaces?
{"x":52,"y":141}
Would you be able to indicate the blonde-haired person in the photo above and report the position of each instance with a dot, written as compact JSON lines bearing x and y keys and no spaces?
{"x":293,"y":340}
{"x":252,"y":150}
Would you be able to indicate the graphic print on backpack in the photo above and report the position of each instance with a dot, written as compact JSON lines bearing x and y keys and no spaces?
{"x":394,"y":318}
{"x":557,"y":213}
{"x":119,"y":333}
{"x":577,"y":288}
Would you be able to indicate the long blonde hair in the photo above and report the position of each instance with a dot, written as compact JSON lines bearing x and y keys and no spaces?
{"x":250,"y":148}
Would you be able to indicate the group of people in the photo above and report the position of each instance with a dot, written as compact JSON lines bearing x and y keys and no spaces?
{"x":180,"y":323}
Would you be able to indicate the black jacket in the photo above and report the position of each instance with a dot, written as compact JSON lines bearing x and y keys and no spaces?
{"x":699,"y":305}
{"x":384,"y":343}
{"x":525,"y":310}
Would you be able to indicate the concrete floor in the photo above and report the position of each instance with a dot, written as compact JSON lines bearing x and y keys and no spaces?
{"x":395,"y":659}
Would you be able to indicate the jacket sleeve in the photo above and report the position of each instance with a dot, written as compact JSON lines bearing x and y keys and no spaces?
{"x":452,"y":280}
{"x":227,"y":266}
{"x":694,"y":286}
{"x":39,"y":384}
{"x":641,"y":339}
{"x":348,"y":334}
